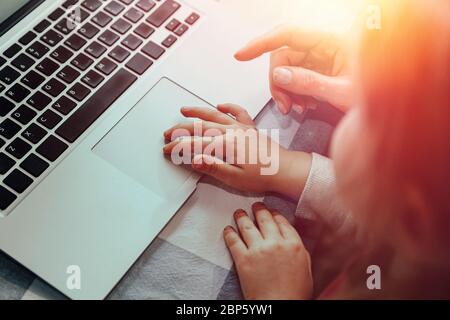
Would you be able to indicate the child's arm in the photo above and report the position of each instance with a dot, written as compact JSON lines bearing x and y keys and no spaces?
{"x":319,"y":199}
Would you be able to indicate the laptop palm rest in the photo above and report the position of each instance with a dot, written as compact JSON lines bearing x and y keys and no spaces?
{"x":134,"y":144}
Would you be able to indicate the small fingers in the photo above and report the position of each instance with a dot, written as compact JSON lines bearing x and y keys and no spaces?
{"x":286,"y":229}
{"x":239,"y":113}
{"x":198,"y":128}
{"x":206,"y":114}
{"x":234,"y":243}
{"x":250,"y":234}
{"x":266,"y":223}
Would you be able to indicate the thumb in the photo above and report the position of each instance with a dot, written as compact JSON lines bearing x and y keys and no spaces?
{"x":301,"y":81}
{"x":215,"y":168}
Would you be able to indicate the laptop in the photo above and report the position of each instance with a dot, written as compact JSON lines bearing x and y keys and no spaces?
{"x":87,"y":88}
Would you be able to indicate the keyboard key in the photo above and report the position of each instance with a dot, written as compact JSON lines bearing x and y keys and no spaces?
{"x":49,"y":119}
{"x":92,"y":79}
{"x":173,"y":24}
{"x":108,"y":38}
{"x":39,"y":101}
{"x":121,"y":26}
{"x":52,"y":38}
{"x":144,"y":30}
{"x":27,"y":38}
{"x":64,"y":105}
{"x":22,"y":62}
{"x":92,"y":5}
{"x":6,"y":163}
{"x":106,"y":66}
{"x":34,"y":165}
{"x":95,"y":49}
{"x":12,"y":51}
{"x":93,"y":108}
{"x":88,"y":30}
{"x":65,"y":26}
{"x":133,"y":15}
{"x":68,"y":74}
{"x":8,"y":75}
{"x":139,"y":63}
{"x":55,"y":15}
{"x":18,"y":181}
{"x":163,"y":12}
{"x":9,"y":128}
{"x":153,"y":50}
{"x":69,"y":3}
{"x":132,"y":42}
{"x":32,"y":79}
{"x":193,"y":17}
{"x":5,"y":106}
{"x":54,"y":87}
{"x":34,"y":133}
{"x":61,"y":54}
{"x":38,"y":50}
{"x":82,"y":62}
{"x":127,"y":2}
{"x":75,"y":42}
{"x":23,"y":114}
{"x":17,"y":93}
{"x":119,"y":54}
{"x":6,"y":198}
{"x":42,"y":26}
{"x":2,"y":61}
{"x":2,"y":87}
{"x":51,"y":148}
{"x":169,"y":41}
{"x":114,"y":8}
{"x":78,"y":15}
{"x":2,"y":143}
{"x":181,"y":30}
{"x":47,"y":67}
{"x":79,"y":92}
{"x":101,"y":19}
{"x":18,"y":148}
{"x":146,"y":5}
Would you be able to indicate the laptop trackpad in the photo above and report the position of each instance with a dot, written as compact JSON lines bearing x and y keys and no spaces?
{"x":134,"y":144}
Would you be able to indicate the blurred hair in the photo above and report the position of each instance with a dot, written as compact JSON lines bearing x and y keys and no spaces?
{"x":403,"y":74}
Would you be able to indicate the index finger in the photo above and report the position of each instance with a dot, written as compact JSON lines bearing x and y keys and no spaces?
{"x":291,"y":36}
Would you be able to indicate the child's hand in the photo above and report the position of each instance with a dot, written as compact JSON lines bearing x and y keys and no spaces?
{"x":270,"y":258}
{"x":304,"y":64}
{"x":278,"y":171}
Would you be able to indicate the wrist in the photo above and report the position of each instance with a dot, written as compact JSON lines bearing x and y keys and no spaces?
{"x":292,"y":174}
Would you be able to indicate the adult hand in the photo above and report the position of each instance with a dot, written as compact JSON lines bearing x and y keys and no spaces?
{"x":304,"y":65}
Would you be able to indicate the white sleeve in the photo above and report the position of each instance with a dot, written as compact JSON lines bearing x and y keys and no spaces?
{"x":319,"y":200}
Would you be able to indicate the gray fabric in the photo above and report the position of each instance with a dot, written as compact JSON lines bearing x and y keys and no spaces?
{"x":165,"y":271}
{"x":14,"y":279}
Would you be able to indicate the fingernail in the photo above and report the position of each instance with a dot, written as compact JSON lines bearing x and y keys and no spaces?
{"x":282,"y":76}
{"x":228,"y":229}
{"x":298,"y":108}
{"x":281,"y":107}
{"x":258,"y":206}
{"x":239,"y":213}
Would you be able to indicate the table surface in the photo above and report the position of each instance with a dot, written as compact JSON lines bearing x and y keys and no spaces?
{"x":189,"y":259}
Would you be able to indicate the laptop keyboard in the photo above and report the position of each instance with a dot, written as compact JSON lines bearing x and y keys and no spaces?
{"x":60,"y":77}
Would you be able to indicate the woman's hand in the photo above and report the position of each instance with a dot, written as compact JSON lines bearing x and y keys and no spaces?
{"x":270,"y":258}
{"x":304,"y":65}
{"x":229,"y":148}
